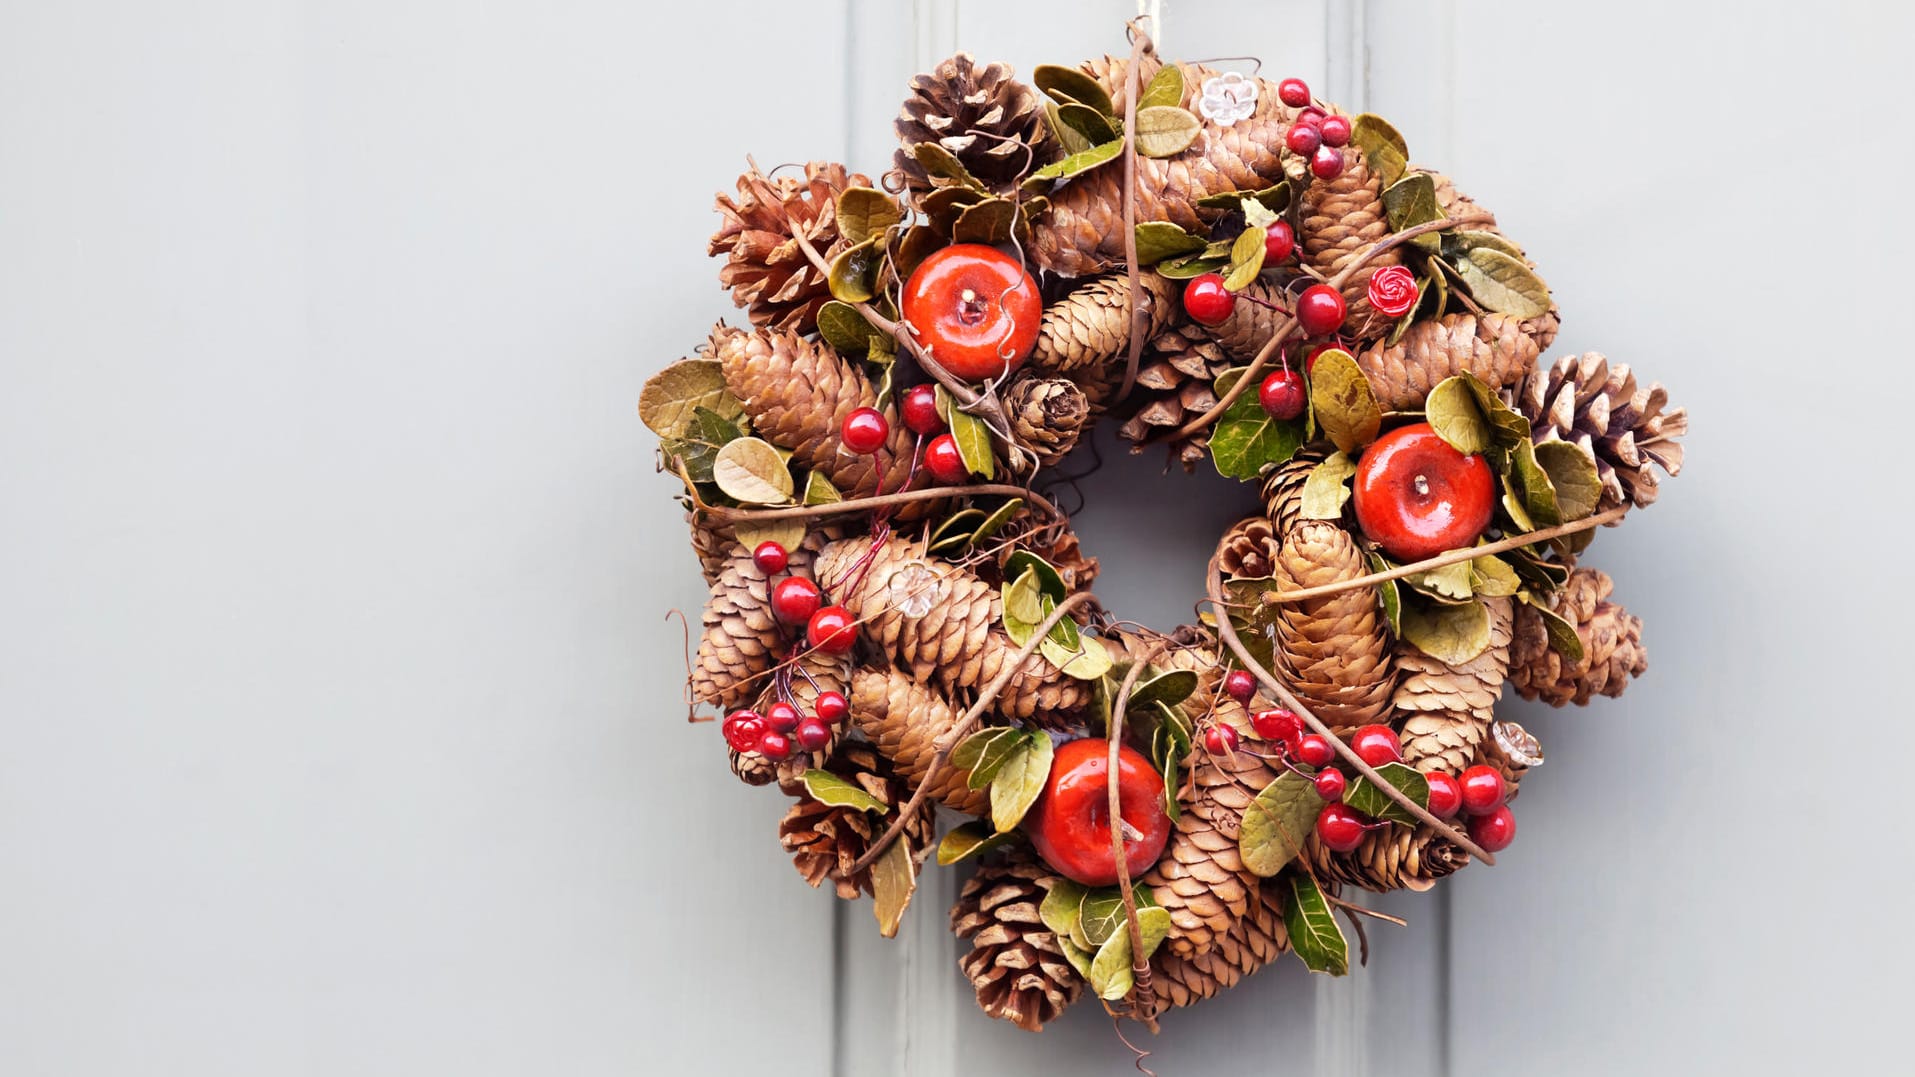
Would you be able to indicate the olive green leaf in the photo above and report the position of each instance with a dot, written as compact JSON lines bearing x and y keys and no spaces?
{"x":942,"y":206}
{"x":1079,"y":957}
{"x":1068,"y":84}
{"x":819,"y":491}
{"x":1452,"y":634}
{"x":1019,"y":779}
{"x":919,"y":242}
{"x":1314,"y":933}
{"x":786,"y":533}
{"x":1455,"y":416}
{"x":1067,"y":136}
{"x":1449,"y":583}
{"x":1024,"y":604}
{"x":1275,"y":198}
{"x":1158,"y":240}
{"x":1257,"y":216}
{"x":1166,"y":87}
{"x":1103,"y":916}
{"x":1537,"y":572}
{"x":1368,"y":799}
{"x":864,"y":213}
{"x":828,"y":788}
{"x":1572,"y":474}
{"x":988,"y":222}
{"x":997,"y":519}
{"x":893,"y":879}
{"x":844,"y":328}
{"x":1492,"y":577}
{"x":968,"y":840}
{"x":983,"y":752}
{"x":1562,"y":635}
{"x":1171,"y":687}
{"x":1075,"y":164}
{"x":973,"y":437}
{"x":1537,"y":490}
{"x":1383,"y":149}
{"x":1064,"y":648}
{"x":1388,"y":598}
{"x":942,"y":164}
{"x":1165,"y":130}
{"x":1092,"y":125}
{"x":1456,"y":244}
{"x":854,"y":273}
{"x":1062,"y":907}
{"x":1254,"y":620}
{"x":1191,"y":265}
{"x":1324,"y":492}
{"x":1277,"y":823}
{"x":697,"y":446}
{"x":1246,"y":260}
{"x":1411,"y":201}
{"x":1501,"y":282}
{"x":753,"y":471}
{"x":1345,"y":405}
{"x":1246,"y":439}
{"x":1111,"y":975}
{"x":669,"y":396}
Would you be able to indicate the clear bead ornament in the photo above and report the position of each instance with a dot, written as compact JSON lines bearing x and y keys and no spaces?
{"x":1517,"y":744}
{"x":1227,"y":98}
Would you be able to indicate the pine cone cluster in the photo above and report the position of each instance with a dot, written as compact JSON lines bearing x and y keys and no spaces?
{"x":769,"y":274}
{"x":825,"y":840}
{"x":1047,"y":415}
{"x":1493,"y":347}
{"x":908,"y":722}
{"x":1175,"y":383}
{"x":1611,"y":639}
{"x":1393,"y":858}
{"x":1334,"y":651}
{"x":1446,"y":710}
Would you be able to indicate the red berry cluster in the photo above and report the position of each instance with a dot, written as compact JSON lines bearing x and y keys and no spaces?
{"x":783,"y":727}
{"x":1315,"y":135}
{"x":796,"y":600}
{"x":920,"y":408}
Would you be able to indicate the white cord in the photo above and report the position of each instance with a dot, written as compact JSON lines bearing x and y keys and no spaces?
{"x":1154,"y":11}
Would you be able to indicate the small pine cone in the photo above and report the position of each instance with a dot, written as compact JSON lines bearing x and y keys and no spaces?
{"x":1085,"y":336}
{"x":1341,"y":218}
{"x":825,"y":841}
{"x":1046,"y":415}
{"x":1512,"y":750}
{"x":907,"y":722}
{"x":769,"y":274}
{"x":1333,"y":651}
{"x":1283,"y":489}
{"x":712,"y":544}
{"x":1542,"y":328}
{"x":1587,"y":400}
{"x":1250,"y":548}
{"x":1611,"y":639}
{"x":1015,"y":964}
{"x":1492,"y":347}
{"x":1257,"y":939}
{"x":992,"y":123}
{"x":752,"y":768}
{"x":1250,"y":324}
{"x":1446,"y":710}
{"x":943,"y":624}
{"x":1391,"y":858}
{"x":741,"y":640}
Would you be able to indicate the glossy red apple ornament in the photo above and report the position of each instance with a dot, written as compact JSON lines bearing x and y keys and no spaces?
{"x":975,"y":309}
{"x":1417,"y":497}
{"x":1069,"y":826}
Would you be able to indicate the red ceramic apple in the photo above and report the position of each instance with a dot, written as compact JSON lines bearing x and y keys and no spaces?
{"x":1416,"y":496}
{"x":975,"y":309}
{"x":1069,"y":826}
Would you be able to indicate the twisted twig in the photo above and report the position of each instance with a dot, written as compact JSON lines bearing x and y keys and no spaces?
{"x":1139,"y":961}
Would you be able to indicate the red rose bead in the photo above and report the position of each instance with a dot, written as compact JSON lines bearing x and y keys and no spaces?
{"x":1320,"y":310}
{"x":920,"y":408}
{"x":865,"y":430}
{"x":1282,"y":394}
{"x":1293,"y":92}
{"x":832,"y":630}
{"x":794,"y":599}
{"x":1495,"y":830}
{"x":770,"y":558}
{"x":1446,"y":796}
{"x":742,"y":730}
{"x":1207,"y":301}
{"x":1392,"y":291}
{"x":945,"y":462}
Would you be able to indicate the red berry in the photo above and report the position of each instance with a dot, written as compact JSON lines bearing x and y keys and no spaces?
{"x":794,"y":599}
{"x":742,"y":730}
{"x":1207,"y":301}
{"x":1220,"y":738}
{"x":1494,"y":831}
{"x":833,"y":707}
{"x":865,"y":430}
{"x":1445,"y":794}
{"x":1341,"y":827}
{"x":782,"y":717}
{"x":975,"y":308}
{"x":832,"y":630}
{"x":1482,"y":789}
{"x":1416,"y":496}
{"x":813,"y":735}
{"x":770,"y":558}
{"x":1314,"y":750}
{"x":1302,"y":139}
{"x":1326,"y":163}
{"x":1293,"y":92}
{"x":1336,"y":130}
{"x":921,"y":410}
{"x":1278,"y":242}
{"x":1320,"y":310}
{"x":1312,"y":116}
{"x":1330,"y":783}
{"x":1392,"y":291}
{"x":1376,"y":745}
{"x":1276,"y":725}
{"x":1282,"y":394}
{"x":1239,"y":685}
{"x":945,"y":462}
{"x":774,"y":746}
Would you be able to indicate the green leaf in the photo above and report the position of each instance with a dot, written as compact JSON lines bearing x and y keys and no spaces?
{"x":1345,"y":405}
{"x":1562,"y":635}
{"x":864,"y":213}
{"x":983,"y":752}
{"x":1158,"y":240}
{"x":997,"y":519}
{"x":1246,"y":260}
{"x":1166,"y":87}
{"x":1256,"y":215}
{"x":1501,"y":282}
{"x":1079,"y":957}
{"x":671,"y":395}
{"x":955,"y":531}
{"x":1254,"y":620}
{"x":1455,"y":244}
{"x":973,"y":437}
{"x":1368,"y":799}
{"x":1068,"y":84}
{"x":941,"y":164}
{"x":968,"y":840}
{"x":854,"y":273}
{"x":844,"y":328}
{"x":1111,"y":975}
{"x":1275,"y":198}
{"x":1020,"y":779}
{"x":919,"y":242}
{"x":827,"y":788}
{"x":819,"y":491}
{"x":1075,"y":164}
{"x":1383,"y":149}
{"x":702,"y":437}
{"x":1277,"y":822}
{"x":1065,"y":649}
{"x":893,"y":879}
{"x":786,"y":533}
{"x":1049,"y":580}
{"x":1246,"y":439}
{"x":1572,"y":473}
{"x":1449,"y":583}
{"x":1062,"y":907}
{"x":1451,"y":634}
{"x":1537,"y":489}
{"x":1314,"y":933}
{"x":988,"y":222}
{"x":1069,"y":137}
{"x":1190,"y":265}
{"x":1165,"y":130}
{"x":1172,"y":688}
{"x":1411,"y":201}
{"x":1453,"y":413}
{"x":1388,"y":597}
{"x":1023,"y":600}
{"x":1102,"y":916}
{"x":1492,"y":577}
{"x":1093,"y":126}
{"x":1324,"y":492}
{"x":752,"y":471}
{"x":942,"y":206}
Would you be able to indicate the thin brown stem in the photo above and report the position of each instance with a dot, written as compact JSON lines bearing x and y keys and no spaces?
{"x":1352,"y":906}
{"x":861,"y":504}
{"x":1139,"y":961}
{"x":1139,"y":41}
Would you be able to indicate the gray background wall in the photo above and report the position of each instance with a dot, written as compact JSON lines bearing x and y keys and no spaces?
{"x":340,"y":718}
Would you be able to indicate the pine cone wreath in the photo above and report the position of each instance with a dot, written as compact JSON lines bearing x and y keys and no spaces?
{"x":1392,"y":858}
{"x":992,"y":123}
{"x":1333,"y":651}
{"x":1015,"y":964}
{"x":1283,"y":488}
{"x":1047,"y":415}
{"x":825,"y":841}
{"x":1611,"y":639}
{"x":1493,"y":347}
{"x":1257,"y":939}
{"x":768,"y":273}
{"x":1587,"y":400}
{"x":1250,"y":549}
{"x":1341,"y":218}
{"x":1446,"y":710}
{"x":907,"y":722}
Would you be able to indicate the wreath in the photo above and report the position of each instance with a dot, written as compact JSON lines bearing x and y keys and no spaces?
{"x":900,"y":618}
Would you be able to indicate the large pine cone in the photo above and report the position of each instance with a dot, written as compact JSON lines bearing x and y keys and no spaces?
{"x":1492,"y":347}
{"x":741,"y":639}
{"x":1611,"y":638}
{"x":767,"y":272}
{"x":1255,"y":940}
{"x":1251,"y":324}
{"x":1392,"y":858}
{"x":992,"y":123}
{"x":941,"y":623}
{"x":798,"y":393}
{"x":1333,"y":651}
{"x":1446,"y":710}
{"x":1085,"y":336}
{"x":1283,"y":489}
{"x":1542,"y":328}
{"x":1047,"y":415}
{"x":1175,"y":383}
{"x":907,"y":721}
{"x":1341,"y":218}
{"x":1587,"y":400}
{"x":1016,"y":965}
{"x":825,"y":841}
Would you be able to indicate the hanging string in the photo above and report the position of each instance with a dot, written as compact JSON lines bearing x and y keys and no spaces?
{"x":1154,"y":11}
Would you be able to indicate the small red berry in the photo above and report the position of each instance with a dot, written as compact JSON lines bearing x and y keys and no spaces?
{"x":770,"y":558}
{"x":813,"y":735}
{"x":1314,"y":750}
{"x":1278,"y":242}
{"x":1220,"y":738}
{"x":1494,"y":831}
{"x":1276,"y":725}
{"x":774,"y":746}
{"x":782,"y":717}
{"x":1320,"y":310}
{"x":1207,"y":301}
{"x":945,"y":461}
{"x":1445,"y":795}
{"x":1282,"y":394}
{"x":794,"y":599}
{"x":1340,"y":827}
{"x":1330,"y":783}
{"x":742,"y":730}
{"x":833,"y":707}
{"x":1312,"y":116}
{"x":1482,"y":789}
{"x":1302,"y":139}
{"x":1392,"y":291}
{"x":865,"y":430}
{"x":1376,"y":745}
{"x":1336,"y":130}
{"x":1310,"y":360}
{"x":832,"y":630}
{"x":1293,"y":92}
{"x":1326,"y":163}
{"x":1239,"y":685}
{"x":921,"y":410}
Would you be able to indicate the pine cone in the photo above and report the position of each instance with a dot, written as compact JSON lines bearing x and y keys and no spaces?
{"x":1250,"y":548}
{"x":767,"y":272}
{"x":1251,"y":324}
{"x":942,"y":624}
{"x":1611,"y":638}
{"x":1174,"y":383}
{"x":1597,"y":405}
{"x":907,"y":722}
{"x":1015,"y":964}
{"x":1283,"y":489}
{"x":992,"y":123}
{"x":1392,"y":858}
{"x":1341,"y":218}
{"x":1085,"y":336}
{"x":1333,"y":650}
{"x":711,"y":543}
{"x":825,"y":841}
{"x":1542,"y":328}
{"x":827,"y":673}
{"x":752,"y":768}
{"x":1492,"y":347}
{"x":1512,"y":750}
{"x":741,"y":640}
{"x":1446,"y":710}
{"x":798,"y":393}
{"x":1255,"y":940}
{"x":1047,"y":415}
